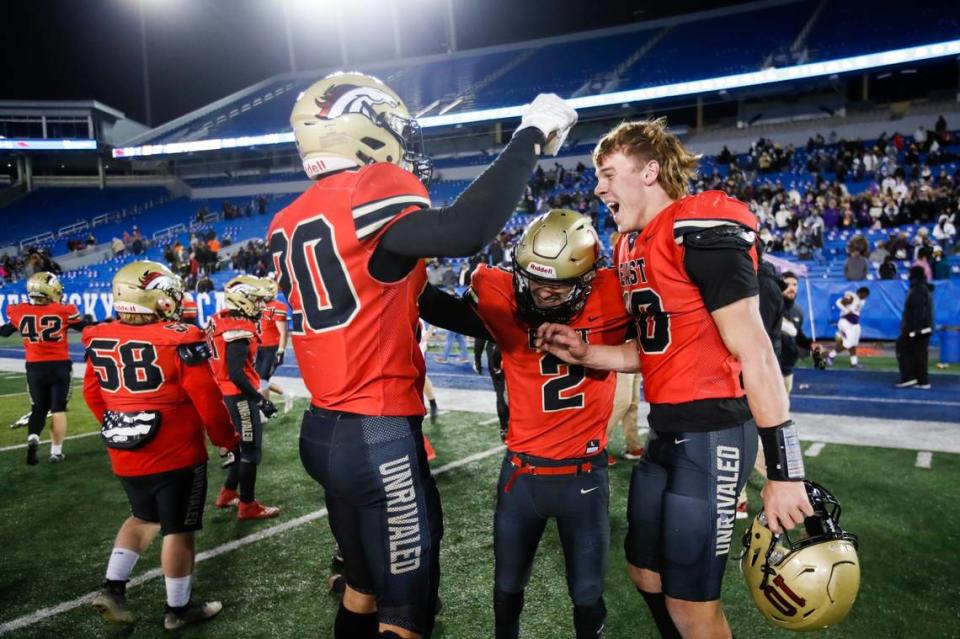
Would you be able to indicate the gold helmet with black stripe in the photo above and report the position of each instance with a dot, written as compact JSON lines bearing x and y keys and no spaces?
{"x":44,"y":287}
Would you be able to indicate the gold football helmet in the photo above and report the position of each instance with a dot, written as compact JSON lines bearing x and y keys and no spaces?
{"x":559,"y":247}
{"x":806,"y":584}
{"x":147,"y":288}
{"x":352,"y":119}
{"x":272,"y":286}
{"x":44,"y":287}
{"x":247,"y":295}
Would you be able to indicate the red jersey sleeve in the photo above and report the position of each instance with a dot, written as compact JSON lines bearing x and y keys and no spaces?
{"x":202,"y":389}
{"x":91,"y":386}
{"x":72,"y":315}
{"x":385,"y":193}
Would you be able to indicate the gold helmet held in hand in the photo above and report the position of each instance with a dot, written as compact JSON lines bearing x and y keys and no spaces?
{"x":559,"y":249}
{"x":147,"y":288}
{"x":247,"y":295}
{"x":352,"y":119}
{"x":807,"y":584}
{"x":44,"y":287}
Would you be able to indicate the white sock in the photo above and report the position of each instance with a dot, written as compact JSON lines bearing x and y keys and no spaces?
{"x":853,"y":360}
{"x":33,"y":437}
{"x":178,"y":591}
{"x":121,"y":564}
{"x":56,"y":449}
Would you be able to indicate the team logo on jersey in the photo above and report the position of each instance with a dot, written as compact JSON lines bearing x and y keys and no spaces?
{"x":342,"y":99}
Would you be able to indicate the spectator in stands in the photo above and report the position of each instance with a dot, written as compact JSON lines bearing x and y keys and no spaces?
{"x":899,"y":245}
{"x":879,"y":253}
{"x":945,"y":232}
{"x":117,"y":246}
{"x":856,"y":267}
{"x":940,"y":265}
{"x":91,"y":239}
{"x":916,"y":327}
{"x":888,"y":270}
{"x":448,"y":277}
{"x":924,"y":255}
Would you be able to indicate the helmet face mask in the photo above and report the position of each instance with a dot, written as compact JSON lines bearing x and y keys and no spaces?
{"x":349,"y":120}
{"x":558,"y":249}
{"x":147,"y":288}
{"x":44,"y":287}
{"x":807,"y":583}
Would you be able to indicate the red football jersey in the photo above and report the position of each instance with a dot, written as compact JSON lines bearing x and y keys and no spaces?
{"x":132,"y":369}
{"x":226,"y":327}
{"x":276,"y":311}
{"x":188,"y":310}
{"x":557,"y":411}
{"x":682,"y":356}
{"x":44,"y":329}
{"x":354,"y":336}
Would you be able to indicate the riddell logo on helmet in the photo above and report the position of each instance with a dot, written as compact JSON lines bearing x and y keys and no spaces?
{"x":542,"y":269}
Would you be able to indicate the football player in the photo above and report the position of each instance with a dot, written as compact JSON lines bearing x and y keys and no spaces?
{"x":149,"y":385}
{"x":234,"y":338}
{"x":43,"y":323}
{"x":688,"y":271}
{"x":848,"y":326}
{"x":555,"y":466}
{"x":272,"y":327}
{"x":349,"y":253}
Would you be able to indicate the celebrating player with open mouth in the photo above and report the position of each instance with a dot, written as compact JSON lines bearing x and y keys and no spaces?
{"x":687,"y":268}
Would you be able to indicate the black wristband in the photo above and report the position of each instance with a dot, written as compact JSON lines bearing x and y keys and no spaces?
{"x":781,"y":451}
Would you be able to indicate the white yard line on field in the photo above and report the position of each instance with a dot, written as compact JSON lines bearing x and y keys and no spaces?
{"x":814,"y":449}
{"x":46,"y":613}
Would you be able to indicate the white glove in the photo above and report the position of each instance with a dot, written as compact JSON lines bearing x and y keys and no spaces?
{"x":553,"y":117}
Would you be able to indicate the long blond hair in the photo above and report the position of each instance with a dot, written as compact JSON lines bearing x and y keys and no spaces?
{"x":647,"y":140}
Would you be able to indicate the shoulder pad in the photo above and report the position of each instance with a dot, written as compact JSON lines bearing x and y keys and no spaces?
{"x":195,"y":353}
{"x":725,"y":236}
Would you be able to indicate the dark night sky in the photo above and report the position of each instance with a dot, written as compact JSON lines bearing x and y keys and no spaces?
{"x":202,"y":50}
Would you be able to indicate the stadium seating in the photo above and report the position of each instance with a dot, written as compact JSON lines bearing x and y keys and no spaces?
{"x":699,"y":46}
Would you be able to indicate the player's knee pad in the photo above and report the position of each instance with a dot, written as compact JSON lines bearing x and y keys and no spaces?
{"x":507,"y":606}
{"x":588,"y":619}
{"x":690,"y":521}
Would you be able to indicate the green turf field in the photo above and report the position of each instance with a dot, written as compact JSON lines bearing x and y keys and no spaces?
{"x":57,"y":524}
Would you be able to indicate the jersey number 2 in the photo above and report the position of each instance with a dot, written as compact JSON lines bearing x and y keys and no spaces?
{"x":550,"y":366}
{"x":314,"y":277}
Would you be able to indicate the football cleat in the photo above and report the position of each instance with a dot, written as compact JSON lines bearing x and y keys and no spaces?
{"x":111,"y":603}
{"x":256,"y":510}
{"x":193,"y":612}
{"x":922,"y":386}
{"x":633,"y":454}
{"x":906,"y":384}
{"x":32,"y":446}
{"x":56,"y":459}
{"x":227,"y":498}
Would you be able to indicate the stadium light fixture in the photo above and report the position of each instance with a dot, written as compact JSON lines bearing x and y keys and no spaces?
{"x":708,"y":85}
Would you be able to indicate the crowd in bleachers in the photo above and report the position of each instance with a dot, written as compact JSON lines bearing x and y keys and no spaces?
{"x":14,"y":268}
